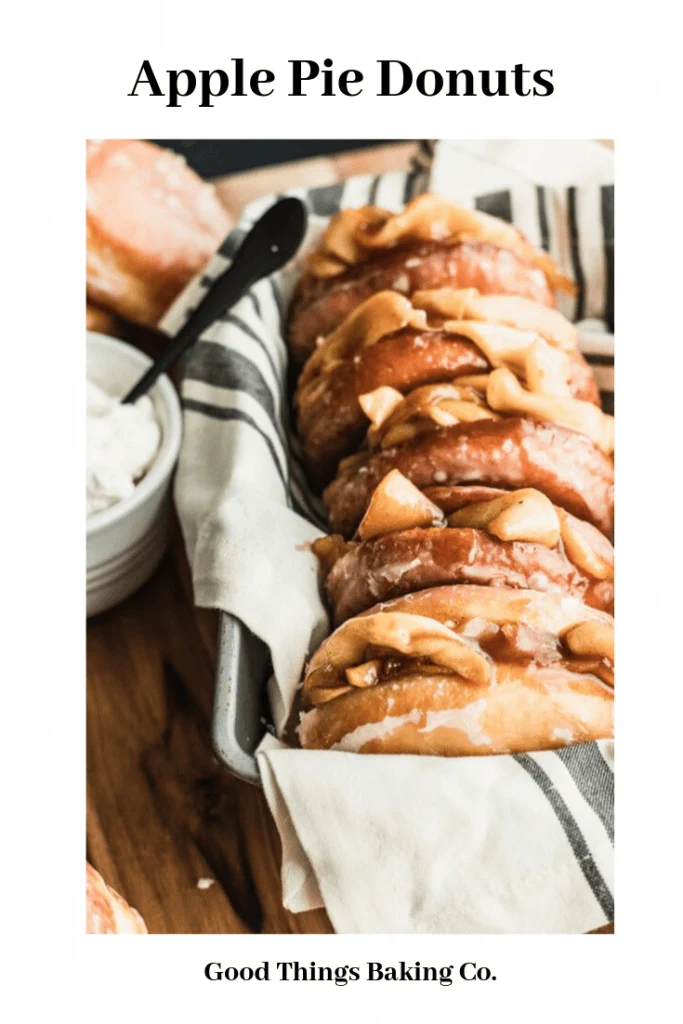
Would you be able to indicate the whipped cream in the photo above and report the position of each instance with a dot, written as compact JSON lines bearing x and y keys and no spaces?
{"x":121,"y":444}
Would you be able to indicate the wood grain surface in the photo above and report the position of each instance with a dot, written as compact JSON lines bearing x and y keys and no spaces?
{"x":161,"y":812}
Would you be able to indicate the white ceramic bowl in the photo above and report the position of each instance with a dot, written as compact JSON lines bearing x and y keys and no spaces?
{"x":126,"y":542}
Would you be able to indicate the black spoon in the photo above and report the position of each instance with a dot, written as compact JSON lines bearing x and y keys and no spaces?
{"x":272,"y":241}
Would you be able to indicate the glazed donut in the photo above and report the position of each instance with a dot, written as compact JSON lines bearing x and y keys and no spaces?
{"x":107,"y":913}
{"x":507,"y":539}
{"x":387,"y":342}
{"x":509,"y":453}
{"x":151,"y":224}
{"x":430,"y":244}
{"x":462,"y":670}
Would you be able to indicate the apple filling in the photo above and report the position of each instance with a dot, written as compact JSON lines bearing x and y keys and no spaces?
{"x":447,"y":304}
{"x":397,"y":420}
{"x":387,"y":646}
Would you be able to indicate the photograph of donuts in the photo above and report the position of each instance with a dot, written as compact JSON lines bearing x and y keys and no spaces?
{"x":350,"y":526}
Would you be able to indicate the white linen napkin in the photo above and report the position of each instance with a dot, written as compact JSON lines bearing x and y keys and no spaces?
{"x":407,"y":844}
{"x":386,"y":843}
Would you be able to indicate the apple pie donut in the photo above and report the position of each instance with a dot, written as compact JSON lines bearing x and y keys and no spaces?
{"x":407,"y":541}
{"x":462,"y":670}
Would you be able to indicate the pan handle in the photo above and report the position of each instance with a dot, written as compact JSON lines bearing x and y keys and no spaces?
{"x":242,"y":671}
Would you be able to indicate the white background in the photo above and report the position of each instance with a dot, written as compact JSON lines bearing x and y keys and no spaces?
{"x":614,"y":77}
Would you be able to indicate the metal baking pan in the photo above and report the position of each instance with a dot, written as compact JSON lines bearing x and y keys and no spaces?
{"x":240,"y":705}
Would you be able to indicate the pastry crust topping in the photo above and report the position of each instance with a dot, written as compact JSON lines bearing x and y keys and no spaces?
{"x":354,"y":234}
{"x":396,"y":504}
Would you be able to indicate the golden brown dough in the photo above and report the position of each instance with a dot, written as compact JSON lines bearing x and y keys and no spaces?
{"x":411,"y":560}
{"x":151,"y":224}
{"x":527,"y":709}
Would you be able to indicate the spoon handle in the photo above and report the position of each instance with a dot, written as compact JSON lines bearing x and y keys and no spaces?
{"x":225,"y":291}
{"x":248,"y":267}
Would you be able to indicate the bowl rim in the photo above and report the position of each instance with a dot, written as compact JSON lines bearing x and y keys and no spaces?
{"x":167,"y":456}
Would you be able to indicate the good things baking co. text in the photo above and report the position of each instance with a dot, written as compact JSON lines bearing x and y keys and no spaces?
{"x":293,"y":970}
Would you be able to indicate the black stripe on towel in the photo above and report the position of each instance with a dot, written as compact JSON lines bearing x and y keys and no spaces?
{"x":544,"y":230}
{"x":223,"y":367}
{"x":422,"y":160}
{"x":372,"y":194}
{"x":573,"y":833}
{"x":594,"y":780}
{"x":255,"y":302}
{"x":595,"y":359}
{"x":325,"y":200}
{"x":607,"y":402}
{"x":216,"y":412}
{"x":409,"y":186}
{"x":498,"y":204}
{"x":573,"y":224}
{"x":230,"y":318}
{"x":607,"y":207}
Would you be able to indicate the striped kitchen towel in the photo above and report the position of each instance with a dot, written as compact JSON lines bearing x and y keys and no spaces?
{"x":386,"y":844}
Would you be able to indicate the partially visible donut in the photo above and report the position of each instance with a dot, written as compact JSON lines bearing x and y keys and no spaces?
{"x":107,"y":913}
{"x":151,"y":224}
{"x":509,"y":453}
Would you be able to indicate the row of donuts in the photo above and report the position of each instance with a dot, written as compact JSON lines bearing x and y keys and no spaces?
{"x":467,"y":471}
